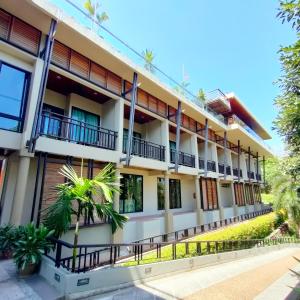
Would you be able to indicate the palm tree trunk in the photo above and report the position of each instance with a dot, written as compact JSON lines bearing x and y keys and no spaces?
{"x":76,"y":235}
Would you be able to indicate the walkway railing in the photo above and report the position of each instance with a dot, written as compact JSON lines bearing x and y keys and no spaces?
{"x":221,"y":169}
{"x":185,"y":159}
{"x":61,"y":127}
{"x":211,"y":165}
{"x":91,"y":256}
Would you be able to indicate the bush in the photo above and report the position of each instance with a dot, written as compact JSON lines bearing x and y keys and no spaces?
{"x":258,"y":228}
{"x":31,"y":245}
{"x":8,"y":236}
{"x":280,"y":217}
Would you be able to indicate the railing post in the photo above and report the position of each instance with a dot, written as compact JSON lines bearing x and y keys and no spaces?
{"x":58,"y":254}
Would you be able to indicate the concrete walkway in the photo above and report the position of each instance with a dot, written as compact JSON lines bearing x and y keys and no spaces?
{"x":14,"y":288}
{"x":265,"y":276}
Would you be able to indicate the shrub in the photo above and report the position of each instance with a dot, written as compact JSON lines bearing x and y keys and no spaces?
{"x":280,"y":217}
{"x":8,"y":236}
{"x":31,"y":245}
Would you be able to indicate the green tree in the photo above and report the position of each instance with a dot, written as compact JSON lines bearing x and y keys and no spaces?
{"x":201,"y":96}
{"x":148,"y":56}
{"x":287,"y":122}
{"x":92,"y":8}
{"x":81,"y":197}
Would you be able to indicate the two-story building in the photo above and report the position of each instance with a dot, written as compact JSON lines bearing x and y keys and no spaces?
{"x":67,"y":96}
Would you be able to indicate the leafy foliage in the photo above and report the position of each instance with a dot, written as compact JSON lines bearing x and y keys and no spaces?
{"x":31,"y":245}
{"x":148,"y":56}
{"x":288,"y":102}
{"x":8,"y":236}
{"x":92,"y":7}
{"x":81,"y":196}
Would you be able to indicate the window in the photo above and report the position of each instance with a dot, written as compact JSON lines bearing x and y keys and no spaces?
{"x":85,"y":126}
{"x":209,"y":189}
{"x":249,"y":194}
{"x":52,"y":120}
{"x":131,"y":197}
{"x":239,"y":194}
{"x":14,"y":84}
{"x":175,"y":193}
{"x":160,"y":193}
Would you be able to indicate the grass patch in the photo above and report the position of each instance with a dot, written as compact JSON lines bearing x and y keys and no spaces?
{"x":257,"y":228}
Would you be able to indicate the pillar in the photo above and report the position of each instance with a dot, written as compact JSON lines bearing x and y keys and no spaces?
{"x":199,"y":210}
{"x":168,"y":214}
{"x":117,"y":237}
{"x":220,"y":204}
{"x":17,"y":216}
{"x":165,"y":139}
{"x":234,"y":205}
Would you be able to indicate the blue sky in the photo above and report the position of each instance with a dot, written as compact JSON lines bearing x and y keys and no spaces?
{"x":231,"y":45}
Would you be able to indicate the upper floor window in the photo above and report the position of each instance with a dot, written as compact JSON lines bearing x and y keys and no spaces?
{"x":14,"y":85}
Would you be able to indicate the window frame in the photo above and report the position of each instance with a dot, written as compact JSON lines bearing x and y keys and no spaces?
{"x":24,"y":101}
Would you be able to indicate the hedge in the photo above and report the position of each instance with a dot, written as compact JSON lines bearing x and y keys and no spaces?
{"x":258,"y":228}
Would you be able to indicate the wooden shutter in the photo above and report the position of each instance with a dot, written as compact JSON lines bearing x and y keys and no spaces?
{"x":79,"y":64}
{"x":152,"y":104}
{"x":98,"y":75}
{"x":214,"y":194}
{"x":114,"y":83}
{"x":128,"y":86}
{"x":61,"y":55}
{"x":172,"y":112}
{"x":5,"y":20}
{"x":162,"y":108}
{"x":204,"y":193}
{"x":142,"y":98}
{"x":192,"y":125}
{"x":185,"y":121}
{"x":25,"y":36}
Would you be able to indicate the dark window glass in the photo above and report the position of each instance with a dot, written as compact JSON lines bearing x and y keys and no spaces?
{"x":13,"y":95}
{"x":131,"y":197}
{"x":160,"y":193}
{"x":175,"y":193}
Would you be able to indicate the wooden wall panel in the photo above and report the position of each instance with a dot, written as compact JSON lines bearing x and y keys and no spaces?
{"x":5,"y":20}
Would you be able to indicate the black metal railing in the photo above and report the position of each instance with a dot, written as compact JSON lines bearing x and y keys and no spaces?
{"x":258,"y":177}
{"x":91,"y":256}
{"x":145,"y":149}
{"x":67,"y":129}
{"x":235,"y":172}
{"x":222,"y":168}
{"x":185,"y":159}
{"x":250,"y":175}
{"x":211,"y":165}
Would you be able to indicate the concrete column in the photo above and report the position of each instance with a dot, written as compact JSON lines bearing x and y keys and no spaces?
{"x":168,"y":213}
{"x":233,"y":194}
{"x":117,"y":237}
{"x":220,"y":204}
{"x":194,"y":148}
{"x":32,"y":100}
{"x":199,"y":210}
{"x":119,"y":115}
{"x":235,"y":210}
{"x":165,"y":139}
{"x":221,"y":213}
{"x":19,"y":204}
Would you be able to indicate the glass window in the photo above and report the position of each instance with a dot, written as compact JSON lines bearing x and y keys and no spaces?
{"x":52,"y":120}
{"x":131,"y":196}
{"x":175,"y":193}
{"x":160,"y":193}
{"x":85,"y":126}
{"x":13,"y":94}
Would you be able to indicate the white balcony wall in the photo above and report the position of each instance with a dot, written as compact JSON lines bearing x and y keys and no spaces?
{"x":152,"y":131}
{"x":210,"y":150}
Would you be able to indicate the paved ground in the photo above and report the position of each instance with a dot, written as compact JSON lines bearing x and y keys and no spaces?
{"x":266,"y":276}
{"x":14,"y":288}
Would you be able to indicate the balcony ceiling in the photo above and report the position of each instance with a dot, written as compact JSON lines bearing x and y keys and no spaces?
{"x":139,"y":116}
{"x":66,"y":86}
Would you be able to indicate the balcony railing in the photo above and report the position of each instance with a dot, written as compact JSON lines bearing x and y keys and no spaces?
{"x":258,"y":177}
{"x":211,"y":165}
{"x":236,"y":172}
{"x":185,"y":159}
{"x":250,"y":175}
{"x":221,"y":169}
{"x":60,"y":127}
{"x":145,"y":149}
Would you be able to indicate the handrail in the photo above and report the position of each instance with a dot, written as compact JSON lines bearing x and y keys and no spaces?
{"x":185,"y":159}
{"x":91,"y":256}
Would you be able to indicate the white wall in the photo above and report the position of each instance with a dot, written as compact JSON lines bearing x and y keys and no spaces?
{"x":226,"y":195}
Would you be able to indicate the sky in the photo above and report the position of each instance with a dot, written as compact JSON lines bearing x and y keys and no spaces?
{"x":231,"y":45}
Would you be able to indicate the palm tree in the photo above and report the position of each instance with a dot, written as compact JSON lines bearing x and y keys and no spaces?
{"x":92,"y":9}
{"x":201,"y":96}
{"x":80,"y":197}
{"x":285,"y":188}
{"x":148,"y":56}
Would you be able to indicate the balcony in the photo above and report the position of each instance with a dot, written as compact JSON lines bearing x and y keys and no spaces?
{"x":145,"y":149}
{"x":250,"y":175}
{"x":236,"y":172}
{"x":63,"y":128}
{"x":258,"y":177}
{"x":185,"y":159}
{"x":221,"y":169}
{"x":211,"y":165}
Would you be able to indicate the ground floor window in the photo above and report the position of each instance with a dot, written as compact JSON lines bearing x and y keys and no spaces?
{"x":209,"y":195}
{"x":160,"y":193}
{"x":131,"y":196}
{"x":175,"y":193}
{"x":249,"y":197}
{"x":239,"y":194}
